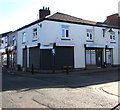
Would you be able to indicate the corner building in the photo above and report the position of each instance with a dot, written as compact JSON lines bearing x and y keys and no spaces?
{"x":61,"y":40}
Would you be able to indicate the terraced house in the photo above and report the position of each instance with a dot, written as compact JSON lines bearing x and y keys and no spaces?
{"x":3,"y":48}
{"x":58,"y":40}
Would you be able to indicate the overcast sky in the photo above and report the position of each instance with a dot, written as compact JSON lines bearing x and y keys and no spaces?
{"x":17,"y":13}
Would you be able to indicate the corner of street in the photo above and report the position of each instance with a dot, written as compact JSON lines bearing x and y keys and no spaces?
{"x":78,"y":89}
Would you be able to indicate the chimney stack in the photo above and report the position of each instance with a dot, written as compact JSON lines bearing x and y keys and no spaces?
{"x":44,"y":12}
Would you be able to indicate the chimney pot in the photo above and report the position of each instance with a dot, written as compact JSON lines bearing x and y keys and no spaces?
{"x":44,"y":12}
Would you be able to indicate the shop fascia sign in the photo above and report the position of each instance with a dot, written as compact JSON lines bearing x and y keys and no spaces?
{"x":98,"y":46}
{"x":70,"y":44}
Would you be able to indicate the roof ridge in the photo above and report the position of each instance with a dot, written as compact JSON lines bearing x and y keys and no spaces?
{"x":75,"y":17}
{"x":56,"y":17}
{"x":68,"y":15}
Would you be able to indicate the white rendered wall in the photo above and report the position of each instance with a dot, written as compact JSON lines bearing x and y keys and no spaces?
{"x":51,"y":32}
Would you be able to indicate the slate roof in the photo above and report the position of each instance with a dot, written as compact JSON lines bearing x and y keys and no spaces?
{"x":67,"y":18}
{"x":4,"y":34}
{"x":60,"y":17}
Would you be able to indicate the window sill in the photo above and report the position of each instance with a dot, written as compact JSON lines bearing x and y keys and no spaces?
{"x":89,"y":41}
{"x":113,"y":42}
{"x":23,"y":42}
{"x":34,"y":40}
{"x":65,"y":39}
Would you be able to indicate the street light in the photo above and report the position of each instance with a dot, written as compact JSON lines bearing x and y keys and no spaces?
{"x":104,"y":31}
{"x":110,"y":30}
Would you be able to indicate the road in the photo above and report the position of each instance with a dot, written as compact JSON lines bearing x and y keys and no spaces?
{"x":58,"y":90}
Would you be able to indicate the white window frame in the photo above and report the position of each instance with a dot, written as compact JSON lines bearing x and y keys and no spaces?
{"x":112,"y":37}
{"x":89,"y":35}
{"x":65,"y":32}
{"x":23,"y":37}
{"x":35,"y":34}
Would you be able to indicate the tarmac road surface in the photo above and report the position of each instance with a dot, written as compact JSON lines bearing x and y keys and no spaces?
{"x":58,"y":90}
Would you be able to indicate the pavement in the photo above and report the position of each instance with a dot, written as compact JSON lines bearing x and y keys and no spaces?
{"x":112,"y":89}
{"x":61,"y":72}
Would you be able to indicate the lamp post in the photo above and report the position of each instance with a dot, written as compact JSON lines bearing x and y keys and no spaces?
{"x":104,"y":31}
{"x":105,"y":57}
{"x":53,"y":53}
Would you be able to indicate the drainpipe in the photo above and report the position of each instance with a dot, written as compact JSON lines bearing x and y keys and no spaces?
{"x":105,"y":56}
{"x":85,"y":56}
{"x":26,"y":57}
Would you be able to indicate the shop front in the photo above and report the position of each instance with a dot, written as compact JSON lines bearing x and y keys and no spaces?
{"x":94,"y":57}
{"x":98,"y":56}
{"x":53,"y":57}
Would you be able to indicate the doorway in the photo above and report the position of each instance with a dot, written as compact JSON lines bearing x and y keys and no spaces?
{"x":99,"y":60}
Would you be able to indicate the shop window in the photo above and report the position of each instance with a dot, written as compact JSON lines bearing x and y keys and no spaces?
{"x":108,"y":56}
{"x":90,"y":57}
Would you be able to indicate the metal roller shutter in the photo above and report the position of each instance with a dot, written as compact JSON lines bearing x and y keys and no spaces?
{"x":46,"y":59}
{"x":34,"y":57}
{"x":64,"y":56}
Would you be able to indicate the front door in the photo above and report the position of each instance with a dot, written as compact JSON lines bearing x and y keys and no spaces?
{"x":99,"y":57}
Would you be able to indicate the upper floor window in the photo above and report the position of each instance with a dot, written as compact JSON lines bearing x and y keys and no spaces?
{"x":89,"y":35}
{"x":35,"y":34}
{"x":14,"y":41}
{"x":23,"y":37}
{"x":65,"y":32}
{"x":6,"y":40}
{"x":112,"y":37}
